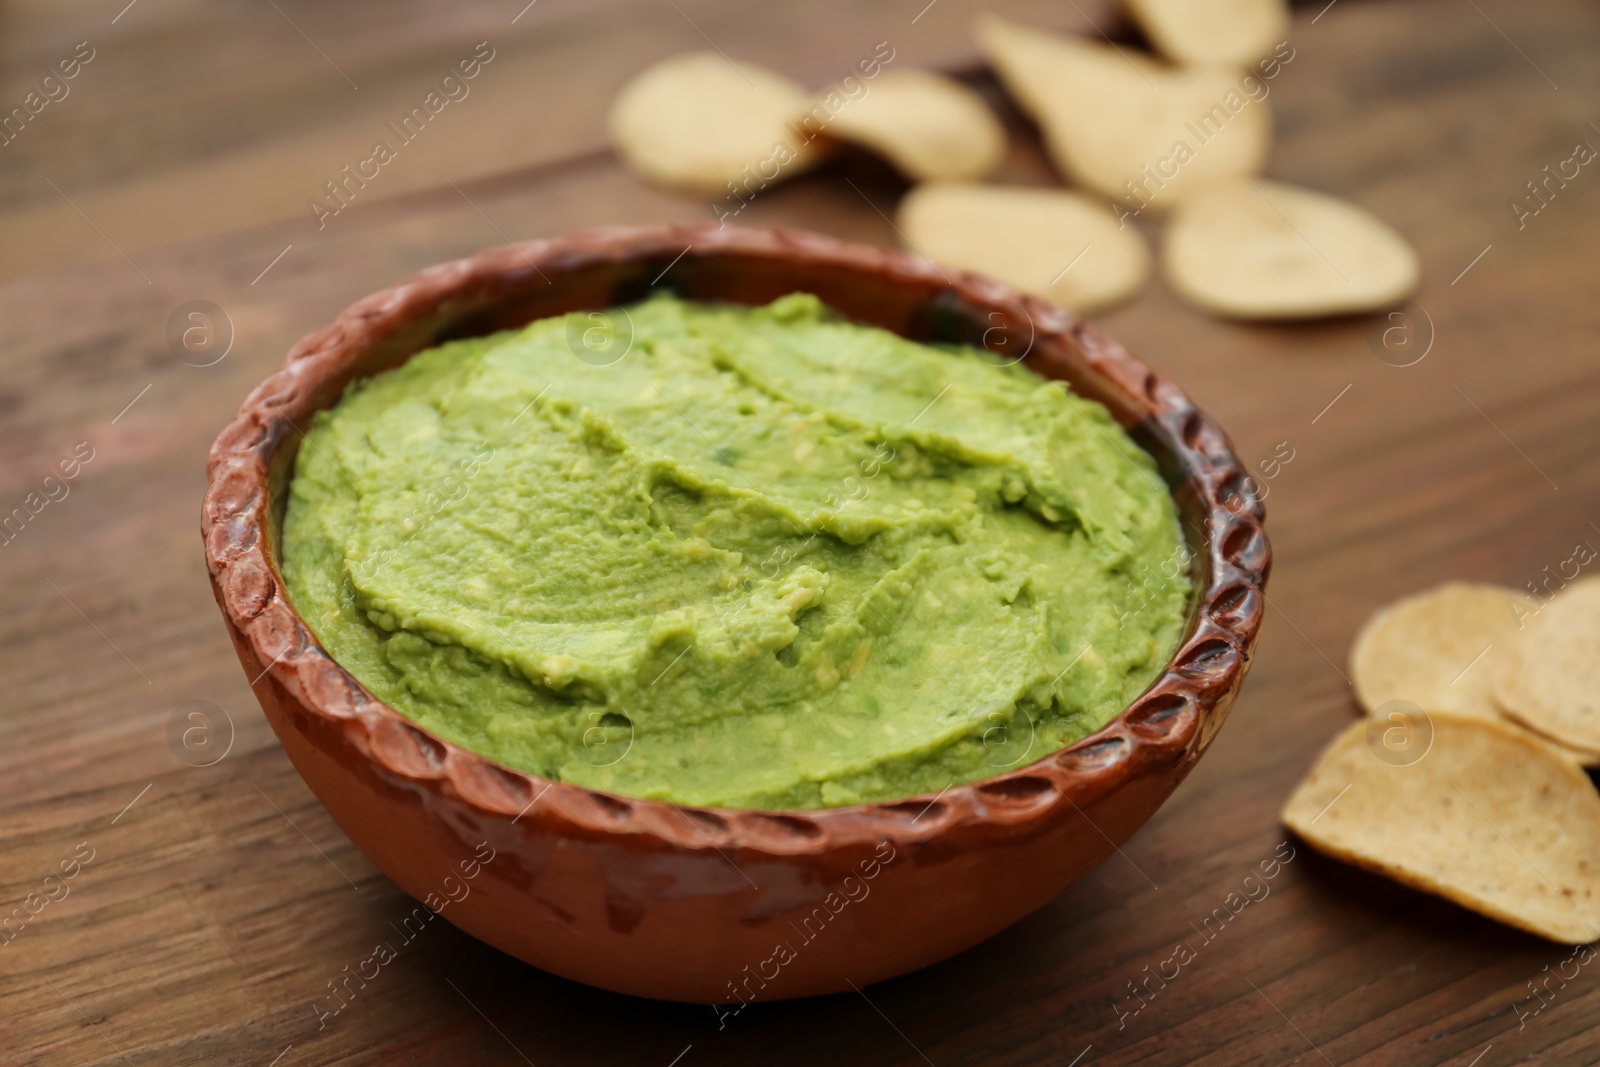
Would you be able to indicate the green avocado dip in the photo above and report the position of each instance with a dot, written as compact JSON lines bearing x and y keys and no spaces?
{"x":735,"y":557}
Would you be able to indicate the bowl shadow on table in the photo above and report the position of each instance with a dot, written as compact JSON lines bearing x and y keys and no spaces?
{"x":964,"y":1001}
{"x":974,"y":1005}
{"x":554,"y":1019}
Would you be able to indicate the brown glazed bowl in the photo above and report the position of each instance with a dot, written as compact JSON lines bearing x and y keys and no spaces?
{"x":657,"y":900}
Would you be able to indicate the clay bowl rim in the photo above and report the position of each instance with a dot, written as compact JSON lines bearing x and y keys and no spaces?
{"x":1169,"y":724}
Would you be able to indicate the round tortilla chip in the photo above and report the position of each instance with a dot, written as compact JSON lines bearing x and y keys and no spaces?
{"x":698,"y":121}
{"x":1257,"y":249}
{"x":1441,"y":648}
{"x":1489,"y":817}
{"x":1583,"y":757}
{"x":1126,"y":125}
{"x":929,"y":126}
{"x":1436,"y":648}
{"x":1219,"y":31}
{"x":1059,"y":245}
{"x":1551,"y":682}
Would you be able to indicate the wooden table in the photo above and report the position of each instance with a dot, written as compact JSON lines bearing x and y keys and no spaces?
{"x":220,"y":900}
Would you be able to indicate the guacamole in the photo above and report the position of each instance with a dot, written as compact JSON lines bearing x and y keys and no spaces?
{"x":735,"y":557}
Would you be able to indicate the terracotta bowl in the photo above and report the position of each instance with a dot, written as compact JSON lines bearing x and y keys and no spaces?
{"x":656,"y":900}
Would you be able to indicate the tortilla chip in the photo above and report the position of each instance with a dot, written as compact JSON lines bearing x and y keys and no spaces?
{"x":698,"y":122}
{"x":1440,"y":649}
{"x":1217,"y":31}
{"x":1551,"y":681}
{"x":1490,"y":817}
{"x":1062,"y":246}
{"x":1126,"y":125}
{"x":1437,"y":648}
{"x":929,"y":126}
{"x":1257,"y":249}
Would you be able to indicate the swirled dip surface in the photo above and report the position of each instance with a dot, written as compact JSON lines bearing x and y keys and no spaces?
{"x":756,"y":558}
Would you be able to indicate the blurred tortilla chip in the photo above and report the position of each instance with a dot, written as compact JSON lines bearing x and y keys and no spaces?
{"x":1551,"y":681}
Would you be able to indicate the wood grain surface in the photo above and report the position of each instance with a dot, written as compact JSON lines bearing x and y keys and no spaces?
{"x":219,"y":901}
